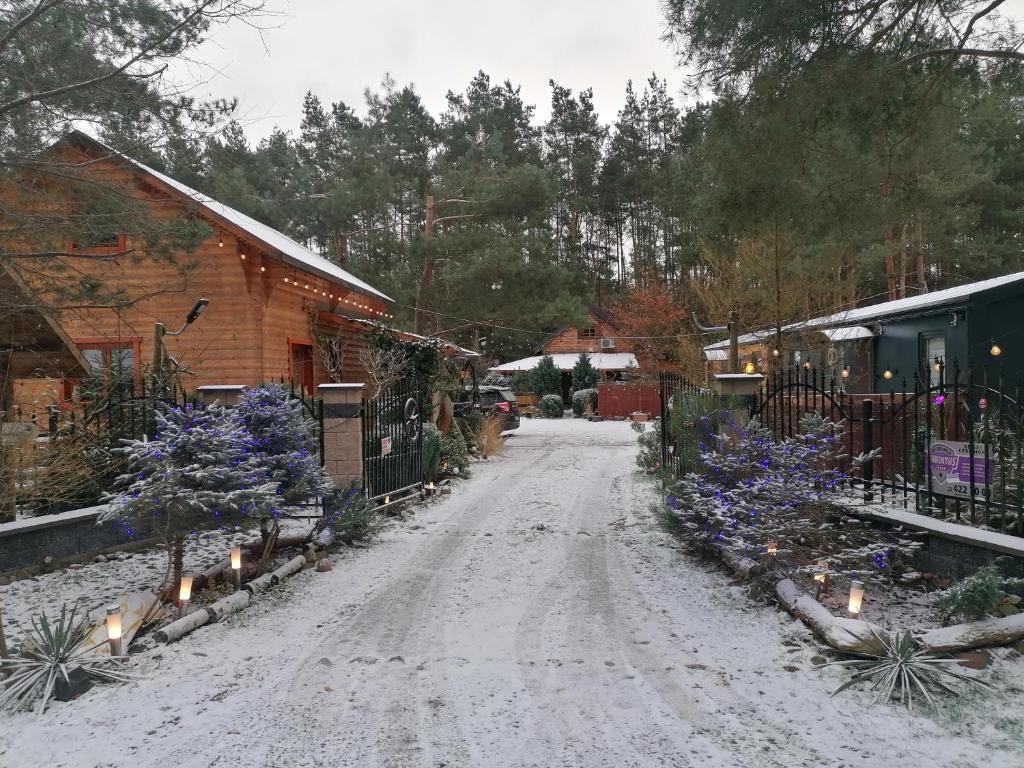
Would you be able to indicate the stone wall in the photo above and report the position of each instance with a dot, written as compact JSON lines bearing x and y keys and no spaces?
{"x":63,"y":537}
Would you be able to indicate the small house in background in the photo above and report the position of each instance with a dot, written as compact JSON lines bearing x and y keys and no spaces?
{"x":880,"y":348}
{"x":269,"y":297}
{"x":609,"y":353}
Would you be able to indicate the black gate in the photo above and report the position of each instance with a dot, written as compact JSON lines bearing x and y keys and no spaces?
{"x":313,"y":409}
{"x":393,"y":440}
{"x":686,"y":420}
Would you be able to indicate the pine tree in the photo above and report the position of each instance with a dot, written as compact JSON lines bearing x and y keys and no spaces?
{"x":546,"y":378}
{"x":584,"y":374}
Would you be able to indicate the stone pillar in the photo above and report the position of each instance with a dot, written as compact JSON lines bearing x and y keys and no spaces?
{"x":343,"y":432}
{"x":224,"y":394}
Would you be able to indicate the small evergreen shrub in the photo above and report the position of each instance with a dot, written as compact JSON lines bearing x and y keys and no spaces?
{"x":454,"y":453}
{"x":551,"y":406}
{"x":546,"y":378}
{"x":584,"y":374}
{"x":975,"y":597}
{"x":350,"y":516}
{"x":649,"y":437}
{"x":431,"y":449}
{"x":581,"y":399}
{"x":520,"y":382}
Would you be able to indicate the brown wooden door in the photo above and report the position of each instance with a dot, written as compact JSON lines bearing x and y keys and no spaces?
{"x":302,"y":368}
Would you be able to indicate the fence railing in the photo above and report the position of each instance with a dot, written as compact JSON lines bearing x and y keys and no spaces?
{"x":949,"y":441}
{"x":393,"y":440}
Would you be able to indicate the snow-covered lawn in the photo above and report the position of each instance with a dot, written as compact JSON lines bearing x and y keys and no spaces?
{"x":535,"y":617}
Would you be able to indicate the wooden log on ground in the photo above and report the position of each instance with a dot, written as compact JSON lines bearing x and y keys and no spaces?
{"x":744,"y":567}
{"x":294,"y":565}
{"x":843,"y":634}
{"x":183,"y":626}
{"x":978,"y":634}
{"x":261,"y":584}
{"x":233,"y":603}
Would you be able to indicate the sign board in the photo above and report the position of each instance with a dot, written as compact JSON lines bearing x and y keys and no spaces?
{"x":949,"y":464}
{"x":385,"y":446}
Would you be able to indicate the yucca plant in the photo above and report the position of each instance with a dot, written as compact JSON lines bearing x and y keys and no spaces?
{"x":49,"y":654}
{"x":902,"y":670}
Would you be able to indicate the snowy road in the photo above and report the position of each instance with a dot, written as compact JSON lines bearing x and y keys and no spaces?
{"x":534,"y":618}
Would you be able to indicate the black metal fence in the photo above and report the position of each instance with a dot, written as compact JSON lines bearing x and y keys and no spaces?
{"x":393,"y":440}
{"x":686,"y":418}
{"x":950,"y":441}
{"x":313,"y":408}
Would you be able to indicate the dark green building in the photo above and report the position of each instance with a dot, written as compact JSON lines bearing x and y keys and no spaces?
{"x":977,"y":327}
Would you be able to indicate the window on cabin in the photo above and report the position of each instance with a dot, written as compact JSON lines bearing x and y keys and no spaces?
{"x":114,"y":368}
{"x":588,"y":333}
{"x":933,"y":346}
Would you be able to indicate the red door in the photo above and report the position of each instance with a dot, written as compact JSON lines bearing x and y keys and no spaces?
{"x":302,"y":368}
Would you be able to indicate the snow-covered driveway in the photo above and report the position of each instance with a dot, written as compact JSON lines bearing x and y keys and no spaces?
{"x":534,"y":618}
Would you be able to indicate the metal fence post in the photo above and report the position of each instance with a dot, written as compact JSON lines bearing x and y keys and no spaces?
{"x":867,"y":444}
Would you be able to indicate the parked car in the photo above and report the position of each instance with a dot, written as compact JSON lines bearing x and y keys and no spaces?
{"x":499,"y":400}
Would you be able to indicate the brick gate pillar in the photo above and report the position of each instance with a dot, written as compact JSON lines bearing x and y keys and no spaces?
{"x":343,"y":432}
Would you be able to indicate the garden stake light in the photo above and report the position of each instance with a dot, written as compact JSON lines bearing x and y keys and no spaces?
{"x":114,"y":630}
{"x":184,"y":595}
{"x":821,"y":579}
{"x":236,"y":566}
{"x":856,"y":598}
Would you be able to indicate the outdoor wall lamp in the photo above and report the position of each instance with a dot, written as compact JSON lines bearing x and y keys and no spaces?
{"x":996,"y":350}
{"x":776,"y":352}
{"x":807,"y":365}
{"x":845,"y":373}
{"x":749,"y":368}
{"x":937,"y":364}
{"x":888,"y":373}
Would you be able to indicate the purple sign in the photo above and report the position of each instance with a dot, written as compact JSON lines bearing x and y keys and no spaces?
{"x":950,"y":464}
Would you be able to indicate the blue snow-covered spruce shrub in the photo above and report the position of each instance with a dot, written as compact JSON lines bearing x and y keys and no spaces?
{"x":551,"y":407}
{"x":214,"y":467}
{"x":754,"y":493}
{"x":284,"y":437}
{"x":201,"y":470}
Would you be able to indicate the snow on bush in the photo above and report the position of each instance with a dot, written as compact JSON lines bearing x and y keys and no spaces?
{"x":755,"y":494}
{"x":284,"y":438}
{"x":551,"y":406}
{"x":581,"y":399}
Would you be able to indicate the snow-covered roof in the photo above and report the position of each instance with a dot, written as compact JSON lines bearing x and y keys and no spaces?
{"x":406,"y":334}
{"x":883,"y":310}
{"x":602,"y":361}
{"x":848,"y":333}
{"x":290,"y":250}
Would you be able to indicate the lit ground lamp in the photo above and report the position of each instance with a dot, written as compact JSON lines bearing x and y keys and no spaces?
{"x":236,"y":566}
{"x":772,"y":548}
{"x":856,"y":598}
{"x":184,"y":595}
{"x":114,"y":630}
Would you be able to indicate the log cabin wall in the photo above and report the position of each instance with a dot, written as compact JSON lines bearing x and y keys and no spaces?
{"x":575,"y":340}
{"x":258,"y":305}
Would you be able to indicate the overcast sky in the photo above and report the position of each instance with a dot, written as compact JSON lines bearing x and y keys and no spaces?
{"x":336,"y":48}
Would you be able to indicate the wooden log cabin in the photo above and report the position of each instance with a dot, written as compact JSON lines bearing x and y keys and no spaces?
{"x":269,"y":296}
